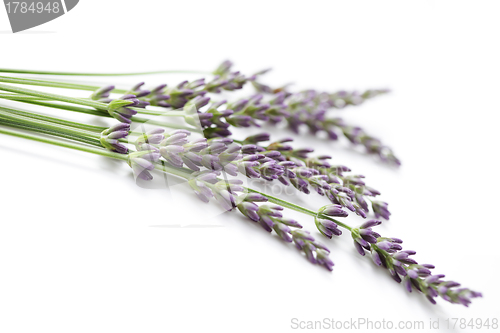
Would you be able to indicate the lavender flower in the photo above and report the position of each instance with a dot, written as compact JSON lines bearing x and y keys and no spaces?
{"x":137,"y":91}
{"x":102,"y":94}
{"x":142,"y":162}
{"x":120,"y":108}
{"x":110,"y":138}
{"x":225,"y":79}
{"x":224,"y":68}
{"x":158,"y":96}
{"x":327,"y":226}
{"x":182,"y":93}
{"x":333,"y":210}
{"x":253,"y":139}
{"x":380,"y":209}
{"x":315,"y":252}
{"x":388,"y":253}
{"x":148,"y":140}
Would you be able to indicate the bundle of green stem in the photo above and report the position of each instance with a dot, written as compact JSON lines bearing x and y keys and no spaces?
{"x":180,"y":133}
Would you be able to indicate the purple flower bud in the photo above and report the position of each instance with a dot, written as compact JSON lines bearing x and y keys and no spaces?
{"x":380,"y":209}
{"x":247,"y":168}
{"x":333,"y":210}
{"x":302,"y":234}
{"x":291,"y":222}
{"x":101,"y":93}
{"x":327,"y":227}
{"x":376,"y":258}
{"x":362,"y":202}
{"x":433,"y":278}
{"x":257,"y":138}
{"x":309,"y":250}
{"x":249,"y":209}
{"x":137,"y":92}
{"x":368,"y":235}
{"x":384,"y":245}
{"x":323,"y":259}
{"x":119,"y":108}
{"x":240,"y":121}
{"x":413,"y":274}
{"x":110,"y":138}
{"x":407,"y":283}
{"x":249,"y":149}
{"x":225,"y":199}
{"x":359,"y":248}
{"x":370,"y":223}
{"x":395,"y":276}
{"x":142,"y":162}
{"x":283,"y":231}
{"x":451,"y":284}
{"x":209,"y":177}
{"x":175,"y":139}
{"x":266,"y":222}
{"x":223,"y":68}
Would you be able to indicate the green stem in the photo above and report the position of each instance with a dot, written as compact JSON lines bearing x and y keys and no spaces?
{"x":83,"y":139}
{"x":70,"y":108}
{"x":47,"y":125}
{"x":38,"y":116}
{"x":72,"y":100}
{"x":53,"y":84}
{"x":24,"y":71}
{"x":69,"y":145}
{"x":105,"y":114}
{"x":18,"y":97}
{"x":180,"y":172}
{"x":56,"y":84}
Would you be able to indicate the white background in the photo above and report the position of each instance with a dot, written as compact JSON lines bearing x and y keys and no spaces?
{"x":79,"y":250}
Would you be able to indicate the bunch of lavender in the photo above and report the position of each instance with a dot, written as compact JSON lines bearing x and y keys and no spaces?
{"x":207,"y":164}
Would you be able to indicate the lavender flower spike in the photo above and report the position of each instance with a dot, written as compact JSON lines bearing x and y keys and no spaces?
{"x":388,"y":253}
{"x":364,"y":236}
{"x":315,"y":252}
{"x":333,"y":210}
{"x":109,"y":138}
{"x":119,"y":108}
{"x":380,"y":209}
{"x":102,"y":94}
{"x":137,"y":92}
{"x":327,"y":227}
{"x":150,"y":138}
{"x":142,"y":162}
